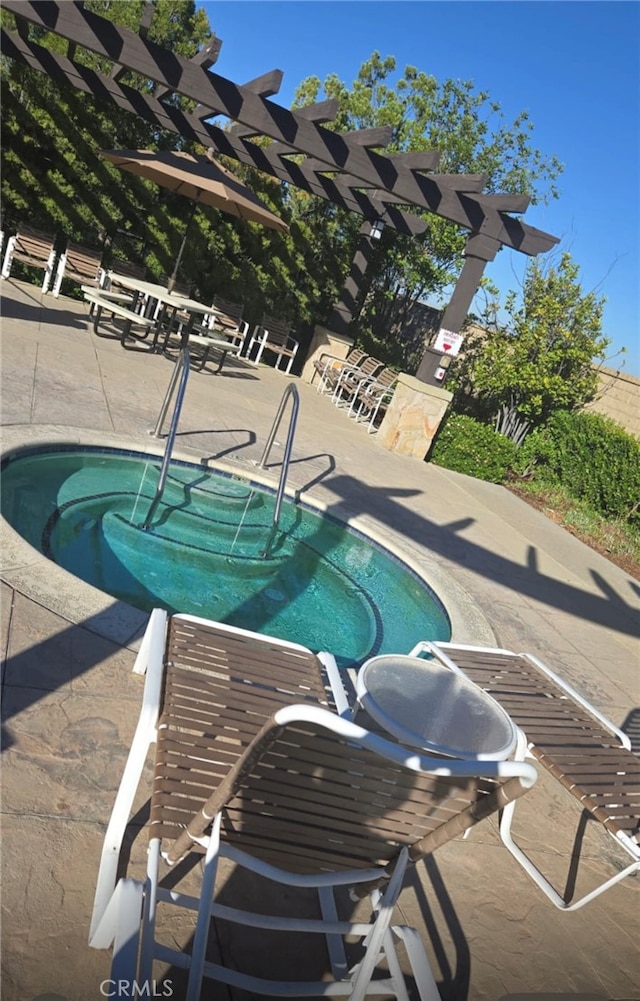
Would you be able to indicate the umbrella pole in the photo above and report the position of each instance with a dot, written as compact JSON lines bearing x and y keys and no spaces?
{"x":176,"y":267}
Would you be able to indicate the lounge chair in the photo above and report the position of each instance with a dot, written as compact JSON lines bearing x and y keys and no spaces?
{"x":372,"y":398}
{"x":273,"y":336}
{"x":351,"y":380}
{"x":329,"y":367}
{"x":32,"y":247}
{"x":79,"y":264}
{"x":254,"y":764}
{"x":575,"y":743}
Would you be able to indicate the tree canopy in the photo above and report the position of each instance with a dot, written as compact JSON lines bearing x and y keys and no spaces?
{"x":472,"y":135}
{"x":539,"y":359}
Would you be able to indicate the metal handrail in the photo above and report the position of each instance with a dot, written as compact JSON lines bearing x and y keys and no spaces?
{"x":180,"y":371}
{"x":290,"y":391}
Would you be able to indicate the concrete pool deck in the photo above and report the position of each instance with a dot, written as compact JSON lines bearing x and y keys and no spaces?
{"x":507,"y":575}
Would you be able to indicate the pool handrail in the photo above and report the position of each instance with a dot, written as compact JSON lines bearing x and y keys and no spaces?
{"x":180,"y":371}
{"x":290,"y":391}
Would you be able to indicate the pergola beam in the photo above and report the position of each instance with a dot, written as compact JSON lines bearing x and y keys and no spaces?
{"x":172,"y":119}
{"x":179,"y":75}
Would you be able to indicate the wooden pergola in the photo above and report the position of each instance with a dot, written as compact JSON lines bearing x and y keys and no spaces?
{"x":346,"y":169}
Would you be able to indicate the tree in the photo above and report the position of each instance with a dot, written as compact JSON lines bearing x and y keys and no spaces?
{"x":472,"y":136}
{"x":540,"y":360}
{"x":54,"y":178}
{"x":52,"y":174}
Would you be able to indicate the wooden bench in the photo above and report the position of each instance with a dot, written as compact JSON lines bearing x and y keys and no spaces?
{"x":106,"y":293}
{"x":34,"y":248}
{"x":107,"y":300}
{"x":209,"y":343}
{"x":567,"y":736}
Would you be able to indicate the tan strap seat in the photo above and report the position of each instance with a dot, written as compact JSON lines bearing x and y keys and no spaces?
{"x":79,"y":264}
{"x":329,"y":367}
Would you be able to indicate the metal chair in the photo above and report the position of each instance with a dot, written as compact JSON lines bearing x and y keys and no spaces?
{"x":579,"y":747}
{"x":32,"y":247}
{"x":80,"y":264}
{"x":330,"y":367}
{"x":273,"y":337}
{"x":372,"y":398}
{"x":350,"y":381}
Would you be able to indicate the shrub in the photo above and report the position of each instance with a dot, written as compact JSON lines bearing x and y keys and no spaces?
{"x":593,"y":458}
{"x":467,"y":446}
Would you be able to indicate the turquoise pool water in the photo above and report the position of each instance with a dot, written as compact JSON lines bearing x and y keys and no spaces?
{"x":321,"y":584}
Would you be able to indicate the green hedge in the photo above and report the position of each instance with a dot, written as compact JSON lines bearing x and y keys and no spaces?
{"x":593,"y":458}
{"x":468,"y":446}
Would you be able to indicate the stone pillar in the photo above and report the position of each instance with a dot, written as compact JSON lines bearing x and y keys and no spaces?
{"x":413,"y":416}
{"x":325,"y":341}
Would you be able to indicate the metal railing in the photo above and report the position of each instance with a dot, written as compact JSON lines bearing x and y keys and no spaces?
{"x":290,"y":391}
{"x":179,"y":380}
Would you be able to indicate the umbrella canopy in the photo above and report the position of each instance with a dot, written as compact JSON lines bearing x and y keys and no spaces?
{"x":198,"y":178}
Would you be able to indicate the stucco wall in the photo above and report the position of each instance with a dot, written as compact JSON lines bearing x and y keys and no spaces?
{"x":619,"y":399}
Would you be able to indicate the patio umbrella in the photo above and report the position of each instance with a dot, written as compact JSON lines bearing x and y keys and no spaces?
{"x":199,"y":178}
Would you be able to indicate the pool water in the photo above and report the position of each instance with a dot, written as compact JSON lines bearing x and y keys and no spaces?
{"x":321,"y":584}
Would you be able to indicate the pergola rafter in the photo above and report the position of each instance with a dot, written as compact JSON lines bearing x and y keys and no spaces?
{"x":456,"y":201}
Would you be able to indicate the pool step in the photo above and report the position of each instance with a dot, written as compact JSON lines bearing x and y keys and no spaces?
{"x":201,"y":491}
{"x":180,"y":530}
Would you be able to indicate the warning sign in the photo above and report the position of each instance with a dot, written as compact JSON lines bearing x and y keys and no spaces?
{"x":448,"y":342}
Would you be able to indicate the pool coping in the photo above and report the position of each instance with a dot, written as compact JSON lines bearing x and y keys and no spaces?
{"x":30,"y":573}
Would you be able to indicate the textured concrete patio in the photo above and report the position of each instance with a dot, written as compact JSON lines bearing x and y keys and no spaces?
{"x":507,"y":575}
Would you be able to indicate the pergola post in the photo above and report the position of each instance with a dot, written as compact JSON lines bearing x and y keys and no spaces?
{"x":334,"y":337}
{"x":343,"y":311}
{"x":478,"y":252}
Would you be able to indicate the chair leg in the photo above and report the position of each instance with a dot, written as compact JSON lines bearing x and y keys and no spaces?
{"x":59,"y":276}
{"x":541,"y":881}
{"x":48,"y":272}
{"x":124,"y":965}
{"x":398,"y":982}
{"x":149,"y":658}
{"x":335,"y":944}
{"x":8,"y":257}
{"x":375,"y":939}
{"x":258,"y":356}
{"x":199,"y":950}
{"x":423,"y":975}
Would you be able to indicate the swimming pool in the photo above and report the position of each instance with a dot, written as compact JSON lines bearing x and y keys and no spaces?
{"x":321,"y":584}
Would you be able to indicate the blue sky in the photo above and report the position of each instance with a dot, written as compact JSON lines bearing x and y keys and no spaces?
{"x":574,"y":66}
